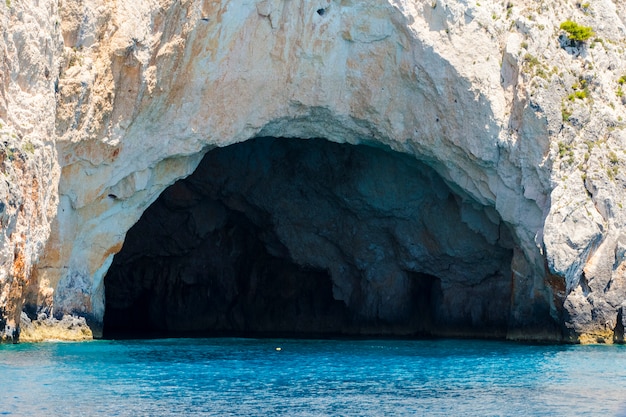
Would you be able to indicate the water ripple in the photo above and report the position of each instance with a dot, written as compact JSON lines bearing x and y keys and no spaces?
{"x":248,"y":377}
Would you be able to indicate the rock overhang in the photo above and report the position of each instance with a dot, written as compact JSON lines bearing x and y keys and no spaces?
{"x":385,"y":90}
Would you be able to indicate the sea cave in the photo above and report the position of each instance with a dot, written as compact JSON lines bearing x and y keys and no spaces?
{"x":312,"y":238}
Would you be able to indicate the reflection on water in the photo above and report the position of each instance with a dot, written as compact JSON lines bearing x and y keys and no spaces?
{"x":310,"y":377}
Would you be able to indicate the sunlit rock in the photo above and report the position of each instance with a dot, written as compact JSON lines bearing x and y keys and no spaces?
{"x":105,"y":105}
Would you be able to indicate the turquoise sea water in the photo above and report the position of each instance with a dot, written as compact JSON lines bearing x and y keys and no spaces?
{"x":250,"y":377}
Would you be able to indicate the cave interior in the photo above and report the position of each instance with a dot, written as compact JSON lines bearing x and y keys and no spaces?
{"x":311,"y":238}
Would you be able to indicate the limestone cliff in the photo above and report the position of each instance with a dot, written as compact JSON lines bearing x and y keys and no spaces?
{"x":105,"y":104}
{"x":30,"y":47}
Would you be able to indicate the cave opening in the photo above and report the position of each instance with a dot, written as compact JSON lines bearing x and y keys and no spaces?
{"x":311,"y":238}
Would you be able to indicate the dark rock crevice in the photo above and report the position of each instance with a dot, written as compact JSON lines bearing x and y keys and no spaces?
{"x":311,"y":238}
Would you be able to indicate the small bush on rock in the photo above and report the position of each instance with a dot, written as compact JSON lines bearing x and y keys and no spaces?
{"x":576,"y":32}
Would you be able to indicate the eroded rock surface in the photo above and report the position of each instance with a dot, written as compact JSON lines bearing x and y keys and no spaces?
{"x":110,"y":103}
{"x":29,"y":172}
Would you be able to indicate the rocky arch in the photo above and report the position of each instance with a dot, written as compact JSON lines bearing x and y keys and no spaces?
{"x":178,"y":81}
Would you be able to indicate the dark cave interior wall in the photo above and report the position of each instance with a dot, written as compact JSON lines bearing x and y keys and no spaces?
{"x":309,"y":237}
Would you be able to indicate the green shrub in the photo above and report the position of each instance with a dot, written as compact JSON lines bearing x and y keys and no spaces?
{"x":577,"y":32}
{"x":566,"y":150}
{"x":531,"y":60}
{"x":541,"y":73}
{"x":29,"y":147}
{"x":581,"y":95}
{"x":565,"y":113}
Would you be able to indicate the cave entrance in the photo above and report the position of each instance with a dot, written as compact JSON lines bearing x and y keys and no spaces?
{"x":286,"y":237}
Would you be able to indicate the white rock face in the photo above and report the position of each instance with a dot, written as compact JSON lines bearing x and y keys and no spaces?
{"x":29,"y":47}
{"x":126,"y":98}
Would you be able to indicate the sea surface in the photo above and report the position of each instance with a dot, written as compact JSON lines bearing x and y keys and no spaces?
{"x":267,"y":377}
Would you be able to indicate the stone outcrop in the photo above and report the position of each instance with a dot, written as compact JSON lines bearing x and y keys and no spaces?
{"x":110,"y":103}
{"x":29,"y":170}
